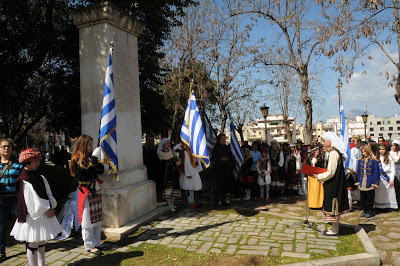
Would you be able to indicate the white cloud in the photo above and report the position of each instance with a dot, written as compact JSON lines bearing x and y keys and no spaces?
{"x":369,"y":87}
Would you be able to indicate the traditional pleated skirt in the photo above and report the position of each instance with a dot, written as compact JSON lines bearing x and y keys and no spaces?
{"x":40,"y":229}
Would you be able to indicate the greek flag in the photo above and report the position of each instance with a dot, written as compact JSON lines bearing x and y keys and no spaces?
{"x":192,"y":132}
{"x":210,"y":134}
{"x":344,"y":133}
{"x":108,"y":135}
{"x":235,"y":148}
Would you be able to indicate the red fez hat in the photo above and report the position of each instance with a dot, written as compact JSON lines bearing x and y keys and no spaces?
{"x":29,"y":155}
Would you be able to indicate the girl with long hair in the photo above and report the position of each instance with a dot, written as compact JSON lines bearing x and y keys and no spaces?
{"x":367,"y":179}
{"x":85,"y":167}
{"x":385,"y":195}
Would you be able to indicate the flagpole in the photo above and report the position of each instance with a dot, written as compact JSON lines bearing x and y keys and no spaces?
{"x":338,"y":88}
{"x":340,"y":98}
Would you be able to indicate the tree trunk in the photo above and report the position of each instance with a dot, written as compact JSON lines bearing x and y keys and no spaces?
{"x":307,"y":103}
{"x":175,"y":117}
{"x":287,"y":130}
{"x":397,"y":86}
{"x":224,"y":118}
{"x":240,"y":131}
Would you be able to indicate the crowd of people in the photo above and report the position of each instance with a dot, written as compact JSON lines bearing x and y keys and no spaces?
{"x":372,"y":179}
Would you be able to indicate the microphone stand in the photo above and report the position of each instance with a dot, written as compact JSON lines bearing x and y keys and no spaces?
{"x":306,"y":222}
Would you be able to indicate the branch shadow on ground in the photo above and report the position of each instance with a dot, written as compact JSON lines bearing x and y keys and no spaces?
{"x":160,"y":233}
{"x":109,"y":259}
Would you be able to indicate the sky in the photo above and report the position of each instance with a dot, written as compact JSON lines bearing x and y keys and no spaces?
{"x":368,"y":85}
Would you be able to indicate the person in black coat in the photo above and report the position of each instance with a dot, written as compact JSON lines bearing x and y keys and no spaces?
{"x":222,"y":160}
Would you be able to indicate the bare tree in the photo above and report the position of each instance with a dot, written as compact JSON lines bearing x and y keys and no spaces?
{"x":226,"y":53}
{"x":285,"y":95}
{"x":358,"y":26}
{"x":244,"y":110}
{"x":297,"y":35}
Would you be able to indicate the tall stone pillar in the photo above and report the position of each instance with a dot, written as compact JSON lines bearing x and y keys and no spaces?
{"x":133,"y":196}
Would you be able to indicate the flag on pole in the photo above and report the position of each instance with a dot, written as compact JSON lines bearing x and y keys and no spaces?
{"x":210,"y":133}
{"x":235,"y":148}
{"x":108,"y":124}
{"x":192,"y":131}
{"x":344,"y":133}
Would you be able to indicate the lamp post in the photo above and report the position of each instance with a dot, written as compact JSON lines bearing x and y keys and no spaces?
{"x":365,"y":118}
{"x":264,"y":111}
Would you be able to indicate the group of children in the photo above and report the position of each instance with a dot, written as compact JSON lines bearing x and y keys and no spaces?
{"x":375,"y":175}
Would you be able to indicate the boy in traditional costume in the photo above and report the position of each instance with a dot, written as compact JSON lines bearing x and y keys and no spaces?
{"x":189,"y":168}
{"x":36,"y":221}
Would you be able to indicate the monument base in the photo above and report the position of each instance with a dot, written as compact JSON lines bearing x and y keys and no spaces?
{"x":116,"y":234}
{"x":123,"y":205}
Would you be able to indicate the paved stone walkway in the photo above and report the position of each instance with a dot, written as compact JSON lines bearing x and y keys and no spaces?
{"x":238,"y":234}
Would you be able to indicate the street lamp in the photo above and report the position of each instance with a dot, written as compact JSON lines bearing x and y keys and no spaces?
{"x":365,"y":118}
{"x":264,"y":111}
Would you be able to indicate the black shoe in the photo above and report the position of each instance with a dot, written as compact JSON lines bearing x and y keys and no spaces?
{"x":97,"y":252}
{"x":368,"y":215}
{"x":3,"y":257}
{"x":363,"y":214}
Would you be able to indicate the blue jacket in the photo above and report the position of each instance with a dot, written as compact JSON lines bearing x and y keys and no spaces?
{"x":10,"y":176}
{"x":367,"y":174}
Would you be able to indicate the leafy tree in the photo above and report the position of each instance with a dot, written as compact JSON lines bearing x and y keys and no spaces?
{"x":40,"y":63}
{"x":39,"y":67}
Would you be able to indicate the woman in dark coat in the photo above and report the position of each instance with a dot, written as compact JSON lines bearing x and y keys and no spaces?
{"x":334,"y":180}
{"x":222,"y":160}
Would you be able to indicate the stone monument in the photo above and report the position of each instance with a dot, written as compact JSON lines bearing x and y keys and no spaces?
{"x":133,"y":198}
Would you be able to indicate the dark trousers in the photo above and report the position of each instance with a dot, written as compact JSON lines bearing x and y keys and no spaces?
{"x":367,"y":200}
{"x":397,"y":190}
{"x":7,"y":206}
{"x":220,"y":193}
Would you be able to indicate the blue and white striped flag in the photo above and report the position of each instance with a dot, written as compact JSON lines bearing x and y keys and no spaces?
{"x":192,"y":132}
{"x":344,"y":134}
{"x":210,"y":133}
{"x":235,"y":148}
{"x":108,"y":134}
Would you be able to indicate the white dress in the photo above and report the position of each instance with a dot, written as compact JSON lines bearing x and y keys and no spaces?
{"x":266,"y":180}
{"x":193,"y":183}
{"x":396,"y":159}
{"x":38,"y":227}
{"x":385,"y":195}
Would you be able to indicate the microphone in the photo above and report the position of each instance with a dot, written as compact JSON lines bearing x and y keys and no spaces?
{"x":316,"y":148}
